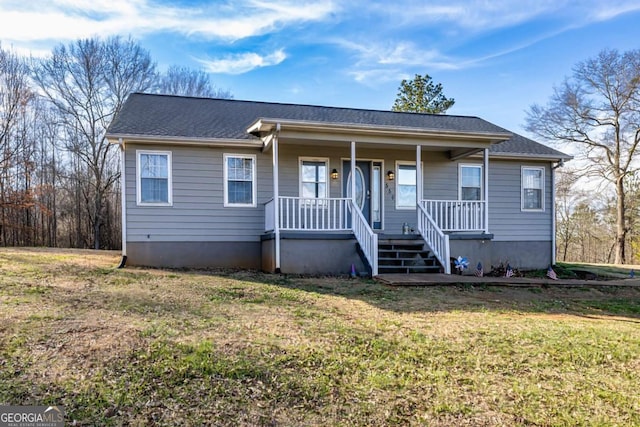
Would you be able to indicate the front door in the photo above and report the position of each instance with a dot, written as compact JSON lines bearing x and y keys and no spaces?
{"x":368,"y":182}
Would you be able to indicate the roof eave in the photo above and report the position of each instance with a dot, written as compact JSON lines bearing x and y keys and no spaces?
{"x":184,"y":141}
{"x":264,"y":126}
{"x":528,"y":156}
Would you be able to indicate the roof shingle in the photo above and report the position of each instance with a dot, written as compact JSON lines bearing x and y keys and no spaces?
{"x":153,"y":115}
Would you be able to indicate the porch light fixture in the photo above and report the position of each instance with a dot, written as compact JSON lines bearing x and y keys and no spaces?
{"x":334,"y":174}
{"x":390,"y":175}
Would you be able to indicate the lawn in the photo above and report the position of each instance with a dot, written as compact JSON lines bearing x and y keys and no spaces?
{"x":147,"y":347}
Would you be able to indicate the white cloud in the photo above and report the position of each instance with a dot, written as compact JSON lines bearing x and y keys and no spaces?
{"x":63,"y":20}
{"x":385,"y":62}
{"x":374,"y":77}
{"x":253,"y":17}
{"x":242,"y":62}
{"x":473,"y":15}
{"x":398,"y":53}
{"x":604,"y":11}
{"x":482,"y":15}
{"x":447,"y":23}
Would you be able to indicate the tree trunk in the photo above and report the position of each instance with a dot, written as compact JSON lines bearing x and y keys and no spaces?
{"x":97,"y":222}
{"x":621,"y":229}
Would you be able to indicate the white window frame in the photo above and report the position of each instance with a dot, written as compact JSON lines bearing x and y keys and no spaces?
{"x":470,"y":165}
{"x":542,"y":192}
{"x":327,"y":183}
{"x":397,"y":183}
{"x":380,"y":183}
{"x":254,"y":180}
{"x":139,"y":200}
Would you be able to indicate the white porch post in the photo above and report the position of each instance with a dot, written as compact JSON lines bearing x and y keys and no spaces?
{"x":486,"y":190}
{"x":419,"y":190}
{"x":353,"y":172}
{"x":276,"y":198}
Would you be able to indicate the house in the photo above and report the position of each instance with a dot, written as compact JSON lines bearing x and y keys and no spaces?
{"x":312,"y":189}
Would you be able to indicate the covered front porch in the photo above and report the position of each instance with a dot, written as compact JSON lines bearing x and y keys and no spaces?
{"x":335,"y":220}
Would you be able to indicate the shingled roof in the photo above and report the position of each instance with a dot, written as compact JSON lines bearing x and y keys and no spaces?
{"x":167,"y":116}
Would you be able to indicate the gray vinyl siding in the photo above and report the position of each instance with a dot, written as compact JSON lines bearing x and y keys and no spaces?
{"x":507,"y":222}
{"x":440,"y":176}
{"x":506,"y":219}
{"x":197,"y":214}
{"x":392,"y":218}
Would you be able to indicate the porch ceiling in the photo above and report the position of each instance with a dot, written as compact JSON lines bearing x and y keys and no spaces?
{"x":370,"y":136}
{"x":345,"y":143}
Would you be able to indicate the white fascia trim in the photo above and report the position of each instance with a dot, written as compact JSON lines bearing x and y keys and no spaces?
{"x":523,"y":156}
{"x":266,"y":125}
{"x":174,"y":140}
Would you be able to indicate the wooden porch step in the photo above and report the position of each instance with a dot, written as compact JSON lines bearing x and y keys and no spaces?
{"x":405,"y":255}
{"x":390,"y":269}
{"x":398,"y":253}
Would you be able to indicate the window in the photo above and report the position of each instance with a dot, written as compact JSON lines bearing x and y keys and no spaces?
{"x":360,"y":187}
{"x":470,"y":182}
{"x":313,"y":178}
{"x":376,"y":179}
{"x":533,"y":188}
{"x":240,"y":180}
{"x":154,"y":178}
{"x":406,"y":186}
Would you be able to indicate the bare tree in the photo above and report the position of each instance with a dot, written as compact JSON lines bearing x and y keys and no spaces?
{"x":566,"y":199}
{"x":59,"y":178}
{"x":632,"y":212}
{"x":188,"y":82}
{"x":597,"y":111}
{"x":15,"y":95}
{"x":87,"y":82}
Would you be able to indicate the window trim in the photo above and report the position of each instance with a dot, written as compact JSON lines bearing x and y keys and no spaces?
{"x":254,"y":180}
{"x":327,"y":183}
{"x":542,"y":192}
{"x":139,"y":201}
{"x":470,"y":165}
{"x":397,"y":183}
{"x":380,"y":182}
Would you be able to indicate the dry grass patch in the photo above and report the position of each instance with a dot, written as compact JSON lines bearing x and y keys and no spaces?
{"x":153,"y":347}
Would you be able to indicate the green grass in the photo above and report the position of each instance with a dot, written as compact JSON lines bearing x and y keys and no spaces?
{"x":585,"y":271}
{"x":152,"y":347}
{"x":604,"y":271}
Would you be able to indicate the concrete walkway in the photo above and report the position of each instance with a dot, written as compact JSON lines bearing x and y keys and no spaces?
{"x":451,"y":279}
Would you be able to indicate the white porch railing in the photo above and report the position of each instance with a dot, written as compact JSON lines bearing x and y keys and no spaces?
{"x":366,"y":237}
{"x":312,"y":214}
{"x":339,"y":214}
{"x":434,"y":237}
{"x":457,"y":215}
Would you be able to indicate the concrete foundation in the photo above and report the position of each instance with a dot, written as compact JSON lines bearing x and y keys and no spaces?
{"x":304,"y":253}
{"x":195,"y":254}
{"x":530,"y":255}
{"x":310,"y":254}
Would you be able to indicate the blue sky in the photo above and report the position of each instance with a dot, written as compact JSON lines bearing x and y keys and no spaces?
{"x":496,"y":57}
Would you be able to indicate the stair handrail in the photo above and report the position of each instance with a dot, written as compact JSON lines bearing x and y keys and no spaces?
{"x":433,"y":235}
{"x":367,"y":239}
